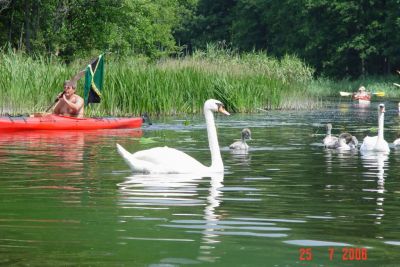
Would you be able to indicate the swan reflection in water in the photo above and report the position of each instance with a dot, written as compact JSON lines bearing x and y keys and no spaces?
{"x":211,"y":218}
{"x":164,"y":191}
{"x":240,"y":157}
{"x":376,"y":163}
{"x":340,"y":158}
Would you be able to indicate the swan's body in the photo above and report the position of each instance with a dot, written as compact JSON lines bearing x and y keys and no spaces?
{"x":329,"y":140}
{"x":350,"y":140}
{"x":170,"y":160}
{"x":396,"y":142}
{"x":353,"y":143}
{"x":342,"y":145}
{"x":377,"y":143}
{"x":242,"y":145}
{"x":345,"y":141}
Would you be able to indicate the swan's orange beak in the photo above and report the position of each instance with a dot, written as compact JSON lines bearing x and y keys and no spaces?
{"x":223,"y":111}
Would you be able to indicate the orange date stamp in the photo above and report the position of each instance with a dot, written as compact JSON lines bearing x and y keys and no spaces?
{"x":344,"y":254}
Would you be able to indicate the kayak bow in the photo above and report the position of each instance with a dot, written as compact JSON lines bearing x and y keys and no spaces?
{"x":55,"y":122}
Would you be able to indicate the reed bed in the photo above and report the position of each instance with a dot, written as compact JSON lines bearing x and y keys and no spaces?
{"x":132,"y":86}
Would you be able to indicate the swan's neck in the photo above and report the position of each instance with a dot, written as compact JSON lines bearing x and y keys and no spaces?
{"x":380,"y":125}
{"x":328,"y":132}
{"x":216,"y":160}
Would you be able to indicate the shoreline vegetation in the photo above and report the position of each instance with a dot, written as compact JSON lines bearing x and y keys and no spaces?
{"x":245,"y":83}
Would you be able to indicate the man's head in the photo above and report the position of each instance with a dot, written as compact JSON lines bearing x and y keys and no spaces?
{"x":361,"y":89}
{"x":69,"y":87}
{"x":69,"y":83}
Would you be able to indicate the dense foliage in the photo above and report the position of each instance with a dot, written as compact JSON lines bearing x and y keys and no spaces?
{"x":71,"y":28}
{"x":338,"y":38}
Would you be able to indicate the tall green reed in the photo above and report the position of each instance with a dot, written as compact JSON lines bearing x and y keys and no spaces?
{"x":28,"y":84}
{"x":244,"y":82}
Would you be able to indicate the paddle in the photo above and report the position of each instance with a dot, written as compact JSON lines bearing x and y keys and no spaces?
{"x":55,"y":101}
{"x":350,"y":94}
{"x":397,"y":84}
{"x":345,"y":94}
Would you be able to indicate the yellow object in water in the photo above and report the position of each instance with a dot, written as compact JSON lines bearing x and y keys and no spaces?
{"x":379,"y":93}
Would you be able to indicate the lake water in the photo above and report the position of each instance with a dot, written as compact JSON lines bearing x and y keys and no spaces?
{"x":69,"y":199}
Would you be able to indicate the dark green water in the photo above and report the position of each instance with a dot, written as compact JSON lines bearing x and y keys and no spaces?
{"x":68,"y":199}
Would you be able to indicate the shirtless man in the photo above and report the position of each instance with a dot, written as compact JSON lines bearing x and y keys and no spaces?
{"x":362,"y":94}
{"x":69,"y":103}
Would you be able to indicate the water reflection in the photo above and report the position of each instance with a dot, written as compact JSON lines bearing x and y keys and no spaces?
{"x":211,"y":219}
{"x":61,"y":149}
{"x":52,"y":156}
{"x":60,"y":153}
{"x":241,"y":157}
{"x":164,"y":191}
{"x":167,"y":191}
{"x":376,"y":163}
{"x":339,"y":158}
{"x":146,"y":191}
{"x":363,"y":104}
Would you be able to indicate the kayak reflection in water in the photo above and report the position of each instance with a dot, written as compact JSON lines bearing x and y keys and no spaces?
{"x":69,"y":104}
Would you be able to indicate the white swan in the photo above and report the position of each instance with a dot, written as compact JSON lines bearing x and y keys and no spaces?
{"x":353,"y":143}
{"x":329,"y":140}
{"x":345,"y":141}
{"x":396,"y":142}
{"x":350,"y":140}
{"x":377,"y":143}
{"x":170,"y":160}
{"x":342,"y":145}
{"x":242,"y":145}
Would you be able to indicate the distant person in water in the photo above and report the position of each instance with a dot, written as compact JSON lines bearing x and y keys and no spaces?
{"x":362,"y":94}
{"x":69,"y":103}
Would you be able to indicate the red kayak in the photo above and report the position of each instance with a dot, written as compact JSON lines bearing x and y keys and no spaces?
{"x":55,"y":122}
{"x":362,"y":97}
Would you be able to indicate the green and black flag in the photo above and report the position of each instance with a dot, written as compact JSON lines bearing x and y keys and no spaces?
{"x":94,"y":81}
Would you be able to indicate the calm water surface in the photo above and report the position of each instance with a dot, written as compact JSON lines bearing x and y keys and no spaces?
{"x":68,"y":199}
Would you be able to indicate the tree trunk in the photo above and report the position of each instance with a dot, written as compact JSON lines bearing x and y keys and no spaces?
{"x":27,"y":26}
{"x":387,"y":61}
{"x":363,"y":67}
{"x":10,"y":24}
{"x":35,"y":18}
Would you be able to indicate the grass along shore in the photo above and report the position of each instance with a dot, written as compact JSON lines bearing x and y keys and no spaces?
{"x":244,"y":83}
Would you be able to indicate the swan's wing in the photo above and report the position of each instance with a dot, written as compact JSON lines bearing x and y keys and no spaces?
{"x":342,"y":145}
{"x":161,"y":160}
{"x":396,"y":142}
{"x":331,"y":142}
{"x":239,"y":145}
{"x":166,"y":155}
{"x":382,"y":146}
{"x":369,"y":143}
{"x":135,"y":164}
